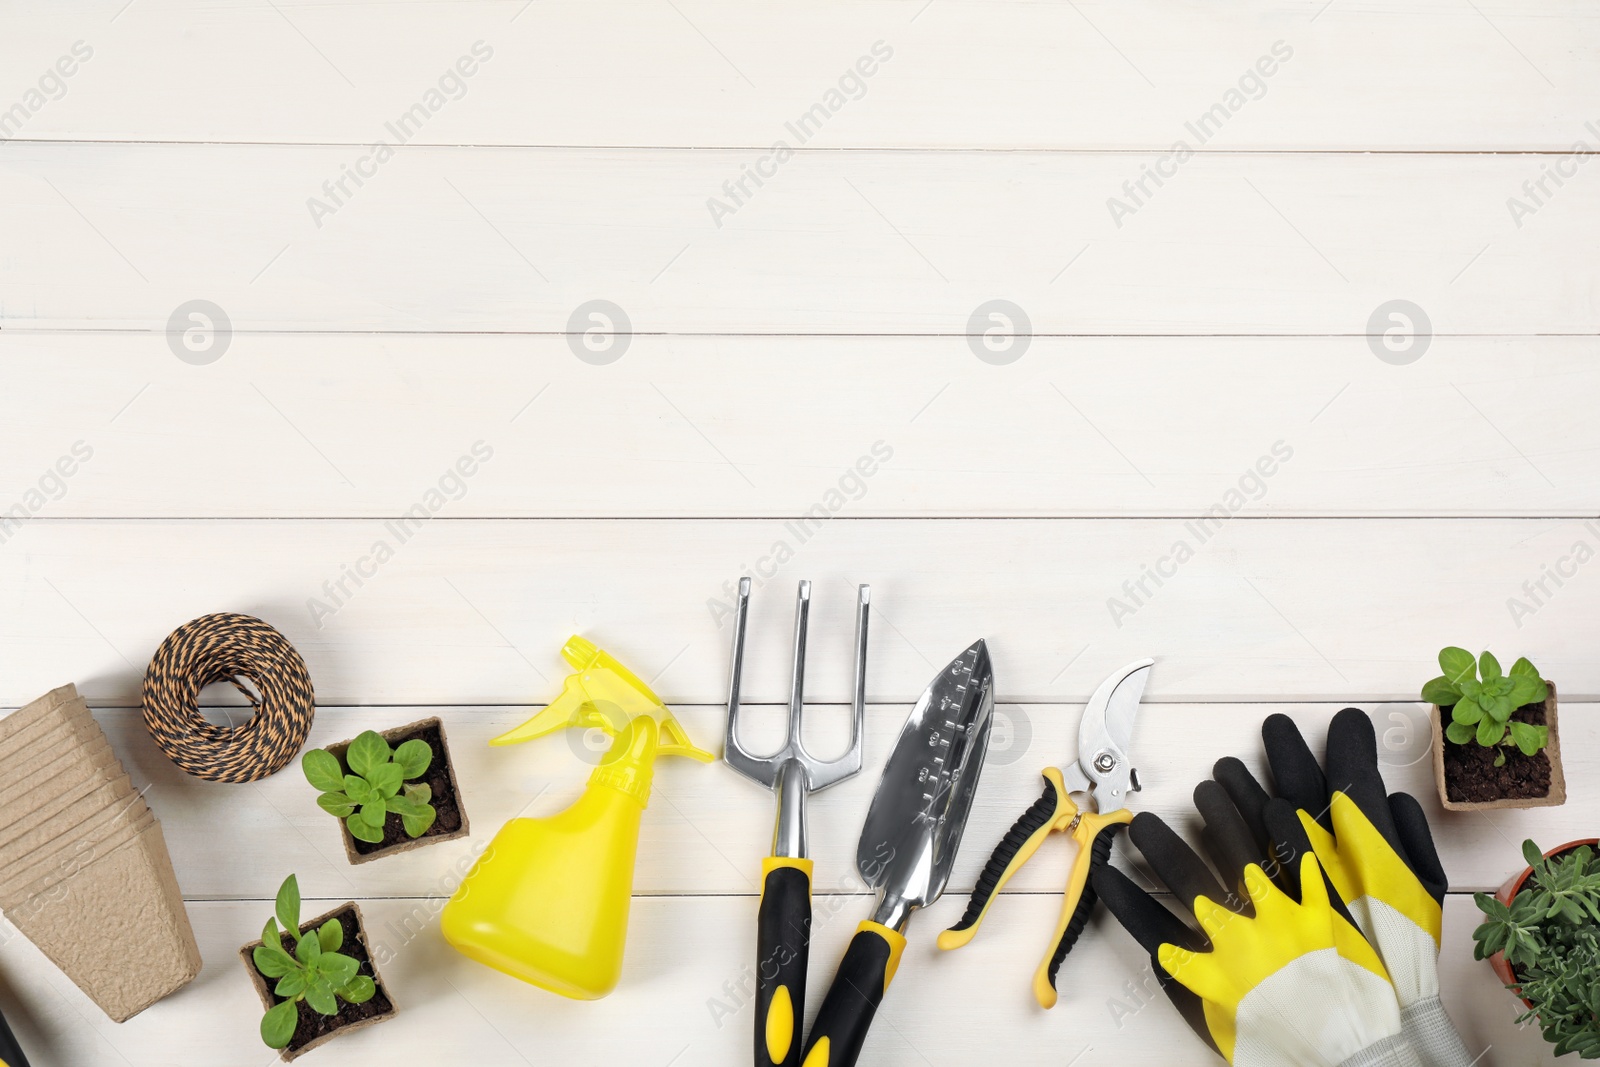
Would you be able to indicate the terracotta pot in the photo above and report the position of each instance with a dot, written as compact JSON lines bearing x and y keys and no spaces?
{"x":1508,"y":892}
{"x":435,"y":833}
{"x":1558,"y":780}
{"x":263,"y":984}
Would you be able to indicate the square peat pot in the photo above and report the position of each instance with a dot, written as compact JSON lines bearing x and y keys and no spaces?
{"x":1557,"y":793}
{"x":314,"y":1029}
{"x":451,"y":821}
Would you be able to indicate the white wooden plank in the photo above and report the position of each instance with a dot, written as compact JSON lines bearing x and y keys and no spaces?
{"x":475,"y":612}
{"x":1385,"y":74}
{"x":679,"y":997}
{"x":359,"y":425}
{"x":706,"y":828}
{"x":457,"y":239}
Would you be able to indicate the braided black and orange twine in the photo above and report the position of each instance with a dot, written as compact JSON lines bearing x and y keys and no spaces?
{"x":228,"y":647}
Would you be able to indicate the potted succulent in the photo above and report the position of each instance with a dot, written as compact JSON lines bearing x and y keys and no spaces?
{"x":316,"y":979}
{"x":1495,"y":742}
{"x":393,"y":791}
{"x":1542,"y":937}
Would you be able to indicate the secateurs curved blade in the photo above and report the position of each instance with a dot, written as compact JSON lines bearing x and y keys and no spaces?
{"x":1103,"y":774}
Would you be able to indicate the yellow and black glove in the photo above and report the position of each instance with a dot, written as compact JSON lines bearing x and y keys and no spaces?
{"x":1275,"y":976}
{"x":1377,"y":851}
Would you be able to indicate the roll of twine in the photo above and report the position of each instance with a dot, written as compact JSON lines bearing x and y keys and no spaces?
{"x":228,"y":647}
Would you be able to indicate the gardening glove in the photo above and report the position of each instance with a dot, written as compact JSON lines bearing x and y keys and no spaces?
{"x":1275,"y":977}
{"x":1377,"y":852}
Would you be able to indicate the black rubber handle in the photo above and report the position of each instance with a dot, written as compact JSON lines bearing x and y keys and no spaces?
{"x":1028,"y":823}
{"x":783,"y":945}
{"x":858,"y":988}
{"x":1099,"y":856}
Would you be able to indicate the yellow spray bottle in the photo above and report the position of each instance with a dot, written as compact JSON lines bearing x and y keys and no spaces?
{"x":548,"y":901}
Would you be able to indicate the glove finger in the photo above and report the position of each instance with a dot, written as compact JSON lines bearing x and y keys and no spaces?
{"x":1353,"y":770}
{"x":1151,"y":924}
{"x":1295,"y":770}
{"x":1149,"y":921}
{"x":1176,"y":864}
{"x":1289,"y":844}
{"x":1248,"y":797}
{"x":1229,"y":839}
{"x":1417,"y":847}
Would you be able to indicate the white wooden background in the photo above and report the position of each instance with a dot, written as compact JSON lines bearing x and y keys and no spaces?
{"x":825,"y":316}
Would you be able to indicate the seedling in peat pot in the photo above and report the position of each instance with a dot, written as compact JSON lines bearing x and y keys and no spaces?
{"x":318,"y":973}
{"x":381,"y":781}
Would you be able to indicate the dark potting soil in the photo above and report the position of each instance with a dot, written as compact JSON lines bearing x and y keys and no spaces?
{"x":312,"y":1024}
{"x":437,"y":777}
{"x":1470,"y":776}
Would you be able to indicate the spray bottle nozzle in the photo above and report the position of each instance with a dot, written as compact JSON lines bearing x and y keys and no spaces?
{"x":602,"y":693}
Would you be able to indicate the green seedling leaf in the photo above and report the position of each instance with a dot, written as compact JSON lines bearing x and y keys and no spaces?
{"x":417,"y":825}
{"x":1490,"y":732}
{"x":291,"y":985}
{"x":1457,"y":664}
{"x":1459,"y":733}
{"x":1524,"y":668}
{"x":1498,"y":708}
{"x":1528,"y":738}
{"x":1440,"y":691}
{"x":288,"y":905}
{"x":359,"y":989}
{"x":385,"y":780}
{"x":1470,"y":688}
{"x":1525,"y":690}
{"x":1489,"y":667}
{"x":270,"y":936}
{"x":406,"y":805}
{"x":367,"y":753}
{"x":308,"y":949}
{"x":319,"y":994}
{"x":357,"y":789}
{"x":373,"y":813}
{"x":413,"y":757}
{"x":362,"y":830}
{"x":272,"y":962}
{"x":322,"y":770}
{"x":337,"y":968}
{"x":1500,"y":758}
{"x":331,"y":935}
{"x":277,"y":1025}
{"x":1466,"y":711}
{"x":421,"y":791}
{"x":336,"y":804}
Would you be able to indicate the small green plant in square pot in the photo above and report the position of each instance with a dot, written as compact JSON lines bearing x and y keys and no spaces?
{"x":392,"y":791}
{"x":1541,"y":935}
{"x":1495,"y":738}
{"x":316,"y":979}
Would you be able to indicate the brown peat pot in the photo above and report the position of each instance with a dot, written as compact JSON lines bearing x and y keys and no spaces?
{"x":1508,"y":892}
{"x":315,"y":1029}
{"x":1557,"y":793}
{"x":451,"y":821}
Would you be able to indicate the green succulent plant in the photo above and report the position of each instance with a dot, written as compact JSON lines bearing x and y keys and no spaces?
{"x":318,"y":973}
{"x":1481,"y":700}
{"x":1550,"y":934}
{"x":379,"y":783}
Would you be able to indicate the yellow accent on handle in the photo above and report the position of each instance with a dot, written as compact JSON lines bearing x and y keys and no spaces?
{"x":896,"y":942}
{"x":1088,"y":828}
{"x":819,"y":1054}
{"x":772,"y":863}
{"x":1065,"y":810}
{"x":780,"y":1025}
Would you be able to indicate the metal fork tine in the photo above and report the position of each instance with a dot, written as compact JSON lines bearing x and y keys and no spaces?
{"x":797,"y":679}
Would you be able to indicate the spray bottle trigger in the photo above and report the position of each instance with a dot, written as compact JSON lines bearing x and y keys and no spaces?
{"x":675,"y":741}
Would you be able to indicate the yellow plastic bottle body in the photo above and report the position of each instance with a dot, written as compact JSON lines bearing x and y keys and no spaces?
{"x":548,"y":902}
